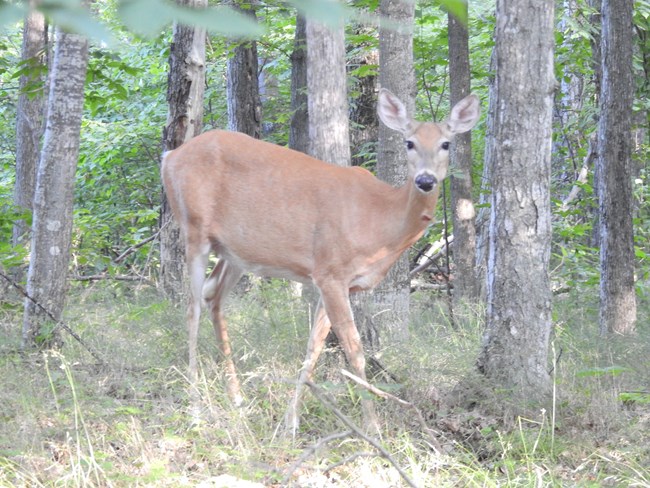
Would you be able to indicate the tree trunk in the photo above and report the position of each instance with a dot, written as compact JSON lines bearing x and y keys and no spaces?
{"x":329,"y":132}
{"x":514,"y":354}
{"x":391,"y":299}
{"x":242,"y":89}
{"x":483,"y":218}
{"x":54,"y":194}
{"x":29,"y":118}
{"x":364,"y":129}
{"x":615,"y":200}
{"x":299,"y":127}
{"x":186,"y":84}
{"x":329,"y":138}
{"x":465,"y":281}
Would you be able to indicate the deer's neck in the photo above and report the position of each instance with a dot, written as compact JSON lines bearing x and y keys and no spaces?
{"x":417,"y":211}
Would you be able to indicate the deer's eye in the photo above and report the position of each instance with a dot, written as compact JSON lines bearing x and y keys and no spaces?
{"x":410,"y":145}
{"x":445,"y":145}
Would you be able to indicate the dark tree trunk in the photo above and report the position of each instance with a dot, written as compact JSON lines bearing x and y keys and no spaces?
{"x":54,"y":194}
{"x":615,"y":199}
{"x":299,"y":128}
{"x":514,"y":354}
{"x":364,"y":129}
{"x":185,"y":88}
{"x":466,"y":289}
{"x":242,"y":90}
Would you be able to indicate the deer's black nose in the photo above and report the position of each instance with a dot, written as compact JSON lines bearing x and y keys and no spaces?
{"x":425,"y":182}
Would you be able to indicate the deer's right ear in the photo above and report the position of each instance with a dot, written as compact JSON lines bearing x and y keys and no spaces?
{"x":392,"y":112}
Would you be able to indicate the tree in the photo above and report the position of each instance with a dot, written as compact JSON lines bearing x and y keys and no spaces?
{"x":185,"y":88}
{"x":54,"y":194}
{"x":242,"y":89}
{"x":466,"y":288}
{"x":329,"y":133}
{"x":615,"y":200}
{"x":482,"y":220}
{"x":514,"y":354}
{"x":327,"y":87}
{"x":363,"y":58}
{"x":299,"y":126}
{"x":392,"y":297}
{"x":29,"y":117}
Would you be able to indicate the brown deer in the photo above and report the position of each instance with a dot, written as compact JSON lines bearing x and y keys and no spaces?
{"x":275,"y":212}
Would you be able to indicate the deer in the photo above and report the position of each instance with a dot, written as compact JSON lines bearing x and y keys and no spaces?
{"x":276,"y":212}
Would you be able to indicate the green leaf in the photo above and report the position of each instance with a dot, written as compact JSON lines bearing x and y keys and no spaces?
{"x":72,"y":16}
{"x":137,"y":16}
{"x":608,"y":370}
{"x":330,"y":12}
{"x":457,"y":8}
{"x":634,"y":397}
{"x":221,"y":20}
{"x":10,"y":13}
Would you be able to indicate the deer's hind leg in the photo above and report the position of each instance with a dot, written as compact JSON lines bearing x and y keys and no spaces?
{"x":221,"y":281}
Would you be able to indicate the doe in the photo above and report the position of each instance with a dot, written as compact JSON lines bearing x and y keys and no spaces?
{"x":276,"y":212}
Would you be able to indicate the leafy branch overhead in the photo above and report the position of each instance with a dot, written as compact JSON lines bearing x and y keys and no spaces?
{"x":137,"y":16}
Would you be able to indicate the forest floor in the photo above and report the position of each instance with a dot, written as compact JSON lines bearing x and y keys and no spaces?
{"x":69,"y":419}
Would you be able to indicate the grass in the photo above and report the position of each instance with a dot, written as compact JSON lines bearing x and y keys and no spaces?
{"x":67,"y":421}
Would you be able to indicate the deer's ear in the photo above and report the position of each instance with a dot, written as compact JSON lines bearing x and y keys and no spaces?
{"x":464,"y":115}
{"x":392,"y":112}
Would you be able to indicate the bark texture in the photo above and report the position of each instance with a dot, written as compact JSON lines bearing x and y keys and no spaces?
{"x":54,"y":194}
{"x":29,"y":118}
{"x":615,"y":199}
{"x":483,"y":218}
{"x":466,"y":289}
{"x":514,"y":354}
{"x":185,"y":88}
{"x":242,"y":87}
{"x":299,"y":126}
{"x":391,"y":299}
{"x":329,"y":132}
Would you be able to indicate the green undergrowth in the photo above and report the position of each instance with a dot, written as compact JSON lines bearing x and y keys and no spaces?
{"x":67,"y":419}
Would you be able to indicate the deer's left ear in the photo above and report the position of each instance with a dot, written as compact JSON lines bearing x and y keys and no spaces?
{"x":392,"y":112}
{"x":464,"y":115}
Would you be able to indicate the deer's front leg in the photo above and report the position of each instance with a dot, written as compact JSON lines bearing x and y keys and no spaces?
{"x":315,"y":346}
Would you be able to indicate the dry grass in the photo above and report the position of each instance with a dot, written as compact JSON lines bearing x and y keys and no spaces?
{"x":67,"y":421}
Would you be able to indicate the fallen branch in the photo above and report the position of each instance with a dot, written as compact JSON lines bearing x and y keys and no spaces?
{"x":437,"y":250}
{"x":320,"y":395}
{"x":383,"y":394}
{"x":57,"y":322}
{"x":106,"y":276}
{"x":310,"y":451}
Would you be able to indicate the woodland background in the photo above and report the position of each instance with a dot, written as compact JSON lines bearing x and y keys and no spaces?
{"x":70,"y":421}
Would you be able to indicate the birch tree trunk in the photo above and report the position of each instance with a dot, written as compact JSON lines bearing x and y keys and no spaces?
{"x":466,"y":288}
{"x":615,"y":200}
{"x":54,"y":193}
{"x":185,"y":88}
{"x":514,"y":353}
